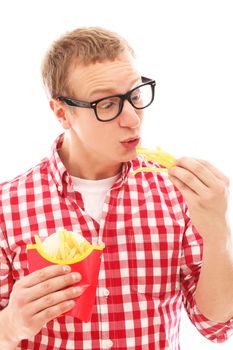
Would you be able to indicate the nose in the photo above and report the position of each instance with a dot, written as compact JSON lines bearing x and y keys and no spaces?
{"x":130,"y":117}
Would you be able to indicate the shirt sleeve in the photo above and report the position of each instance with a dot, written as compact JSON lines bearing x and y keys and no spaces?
{"x":191,"y":260}
{"x":6,"y":278}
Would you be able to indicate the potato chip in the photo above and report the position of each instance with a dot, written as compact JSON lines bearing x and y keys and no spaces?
{"x":159,"y":156}
{"x":63,"y":245}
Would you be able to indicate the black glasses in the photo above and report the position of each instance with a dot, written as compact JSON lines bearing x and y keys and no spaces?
{"x":108,"y":108}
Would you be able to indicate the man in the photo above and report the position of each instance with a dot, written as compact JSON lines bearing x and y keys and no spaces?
{"x":157,"y":253}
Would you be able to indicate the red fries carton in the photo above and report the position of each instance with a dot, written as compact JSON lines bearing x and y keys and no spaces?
{"x":68,"y":248}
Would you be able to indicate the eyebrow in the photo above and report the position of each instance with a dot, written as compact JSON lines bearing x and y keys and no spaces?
{"x":112,"y":91}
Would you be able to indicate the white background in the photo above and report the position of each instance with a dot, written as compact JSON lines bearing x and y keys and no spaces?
{"x":185,"y":45}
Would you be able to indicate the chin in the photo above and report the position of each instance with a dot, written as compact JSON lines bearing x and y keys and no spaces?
{"x":129,"y":156}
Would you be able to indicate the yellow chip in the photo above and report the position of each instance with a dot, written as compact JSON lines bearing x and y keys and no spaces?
{"x":68,"y":246}
{"x":72,"y":254}
{"x":159,"y":156}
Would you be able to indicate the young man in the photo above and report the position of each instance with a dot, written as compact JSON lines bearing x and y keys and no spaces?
{"x":157,"y":252}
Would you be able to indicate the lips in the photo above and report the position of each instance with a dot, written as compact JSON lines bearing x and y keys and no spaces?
{"x":131,"y":142}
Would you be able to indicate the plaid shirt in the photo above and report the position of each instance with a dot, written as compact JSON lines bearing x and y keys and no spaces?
{"x":150,"y":265}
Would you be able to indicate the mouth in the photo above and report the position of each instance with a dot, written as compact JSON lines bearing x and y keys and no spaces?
{"x":131,"y":143}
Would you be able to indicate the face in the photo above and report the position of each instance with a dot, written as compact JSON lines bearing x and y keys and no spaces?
{"x":106,"y":143}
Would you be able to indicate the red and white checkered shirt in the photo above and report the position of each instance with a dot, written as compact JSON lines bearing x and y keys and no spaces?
{"x":149,"y":267}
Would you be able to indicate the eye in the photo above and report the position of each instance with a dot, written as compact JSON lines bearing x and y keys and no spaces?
{"x":108,"y":103}
{"x":105,"y":105}
{"x":136,"y":96}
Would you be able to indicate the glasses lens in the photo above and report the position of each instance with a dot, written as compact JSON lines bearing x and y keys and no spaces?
{"x":108,"y":108}
{"x":142,"y":96}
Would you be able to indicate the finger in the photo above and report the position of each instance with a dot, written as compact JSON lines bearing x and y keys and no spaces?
{"x":215,"y":171}
{"x":56,"y":298}
{"x":52,"y":312}
{"x":198,"y":169}
{"x":185,"y":190}
{"x":44,"y":274}
{"x":53,"y":284}
{"x":185,"y":178}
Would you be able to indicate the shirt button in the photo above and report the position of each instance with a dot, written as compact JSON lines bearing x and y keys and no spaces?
{"x":107,"y":343}
{"x":59,"y":188}
{"x":105,"y":292}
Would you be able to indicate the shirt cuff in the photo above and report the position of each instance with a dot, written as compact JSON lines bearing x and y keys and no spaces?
{"x":217,"y":332}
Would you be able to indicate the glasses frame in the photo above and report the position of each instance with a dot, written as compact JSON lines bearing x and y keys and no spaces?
{"x":83,"y":104}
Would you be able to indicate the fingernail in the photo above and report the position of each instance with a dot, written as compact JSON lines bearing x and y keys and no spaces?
{"x":66,"y":268}
{"x":70,"y":303}
{"x":76,"y":276}
{"x":77,"y":290}
{"x":80,"y":289}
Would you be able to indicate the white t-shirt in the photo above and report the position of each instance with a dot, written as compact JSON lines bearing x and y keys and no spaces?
{"x":93,"y":193}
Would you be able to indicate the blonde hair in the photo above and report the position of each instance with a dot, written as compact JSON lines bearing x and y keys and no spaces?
{"x":83,"y":45}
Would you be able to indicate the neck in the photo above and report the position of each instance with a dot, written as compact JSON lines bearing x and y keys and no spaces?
{"x":81,"y":163}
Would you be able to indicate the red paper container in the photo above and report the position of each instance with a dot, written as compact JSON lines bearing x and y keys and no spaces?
{"x":88,"y":265}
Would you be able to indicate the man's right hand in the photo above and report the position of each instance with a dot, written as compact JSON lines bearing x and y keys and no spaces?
{"x":35,"y":300}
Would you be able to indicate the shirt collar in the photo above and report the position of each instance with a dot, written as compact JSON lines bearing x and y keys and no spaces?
{"x":124,"y":175}
{"x":58,"y":170}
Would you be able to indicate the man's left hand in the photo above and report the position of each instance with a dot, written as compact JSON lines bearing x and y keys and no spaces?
{"x":205,"y":190}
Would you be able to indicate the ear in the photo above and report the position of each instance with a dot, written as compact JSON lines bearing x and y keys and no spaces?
{"x":60,"y":111}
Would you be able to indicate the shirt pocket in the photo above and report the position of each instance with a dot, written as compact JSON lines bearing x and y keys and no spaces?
{"x":154,"y":258}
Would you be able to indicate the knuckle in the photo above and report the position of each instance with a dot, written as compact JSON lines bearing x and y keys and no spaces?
{"x":208,"y":200}
{"x":49,"y":313}
{"x":19,"y":297}
{"x":65,"y":306}
{"x":46,"y":286}
{"x":70,"y":292}
{"x":70,"y":278}
{"x":49,"y":300}
{"x":67,"y":279}
{"x":41,"y":274}
{"x":203,"y":162}
{"x":56,"y":311}
{"x":188,"y":177}
{"x":221,"y":189}
{"x":207,"y":197}
{"x":198,"y":168}
{"x":211,"y":197}
{"x":182,"y":160}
